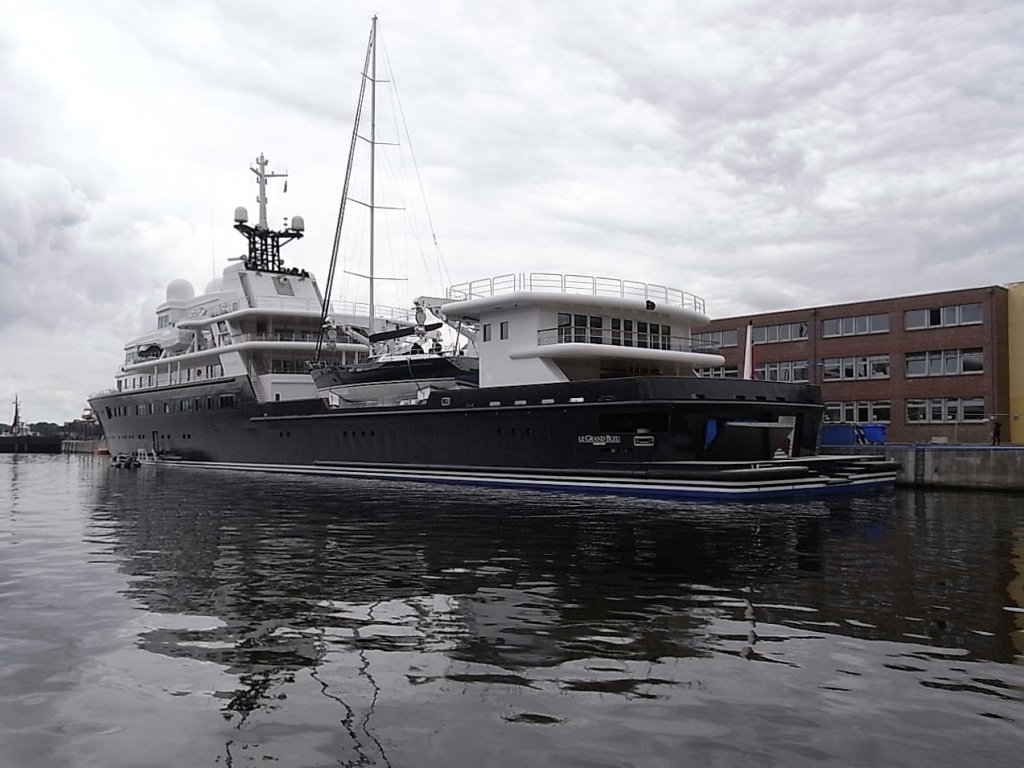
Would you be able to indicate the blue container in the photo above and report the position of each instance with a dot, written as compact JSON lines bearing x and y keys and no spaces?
{"x":874,"y":434}
{"x":847,"y":433}
{"x":837,"y":434}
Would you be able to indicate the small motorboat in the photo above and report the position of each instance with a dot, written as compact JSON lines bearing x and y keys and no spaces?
{"x":125,"y":461}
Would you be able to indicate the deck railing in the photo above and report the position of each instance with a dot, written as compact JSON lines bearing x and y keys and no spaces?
{"x":578,"y":334}
{"x":360,"y":311}
{"x":549,"y":282}
{"x":346,"y":308}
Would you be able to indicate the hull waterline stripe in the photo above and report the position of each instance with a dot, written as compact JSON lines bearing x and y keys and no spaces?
{"x":677,"y":489}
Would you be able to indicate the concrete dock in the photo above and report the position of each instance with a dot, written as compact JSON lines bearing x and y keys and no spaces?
{"x":984,"y":467}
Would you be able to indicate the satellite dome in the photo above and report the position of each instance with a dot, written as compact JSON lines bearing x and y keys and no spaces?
{"x":180,"y":290}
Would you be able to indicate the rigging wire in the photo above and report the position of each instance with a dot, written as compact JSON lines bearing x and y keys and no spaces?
{"x":441,"y":266}
{"x":344,"y":194}
{"x":412,"y":152}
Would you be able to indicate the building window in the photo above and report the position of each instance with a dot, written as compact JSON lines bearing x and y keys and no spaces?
{"x":852,"y":368}
{"x":716,"y":339}
{"x":944,"y":362}
{"x":719,"y":372}
{"x":854,"y":326}
{"x":773,"y":334}
{"x":858,"y":410}
{"x":786,"y":370}
{"x":942,"y":317}
{"x":503,"y":329}
{"x":937,"y":410}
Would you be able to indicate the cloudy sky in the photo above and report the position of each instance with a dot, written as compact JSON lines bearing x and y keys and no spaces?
{"x":763,"y":154}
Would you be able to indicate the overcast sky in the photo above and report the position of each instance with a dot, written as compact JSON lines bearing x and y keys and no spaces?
{"x":761,"y":154}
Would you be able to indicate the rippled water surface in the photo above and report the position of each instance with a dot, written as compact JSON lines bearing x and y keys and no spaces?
{"x":178,"y":617}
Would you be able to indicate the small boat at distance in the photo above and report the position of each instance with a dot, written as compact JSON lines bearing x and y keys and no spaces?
{"x":20,"y":438}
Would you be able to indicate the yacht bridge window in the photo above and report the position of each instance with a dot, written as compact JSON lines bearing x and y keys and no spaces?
{"x":617,"y":331}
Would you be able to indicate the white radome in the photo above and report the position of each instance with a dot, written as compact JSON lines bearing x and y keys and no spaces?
{"x":180,"y":290}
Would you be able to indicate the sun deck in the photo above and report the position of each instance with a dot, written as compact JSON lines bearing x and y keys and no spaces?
{"x":576,"y":285}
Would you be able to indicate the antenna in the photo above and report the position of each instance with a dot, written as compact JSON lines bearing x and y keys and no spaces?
{"x":265,"y":243}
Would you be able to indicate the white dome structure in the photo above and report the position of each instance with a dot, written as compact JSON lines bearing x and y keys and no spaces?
{"x":180,"y":290}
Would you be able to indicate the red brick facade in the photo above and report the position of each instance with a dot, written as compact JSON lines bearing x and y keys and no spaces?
{"x":951,"y":400}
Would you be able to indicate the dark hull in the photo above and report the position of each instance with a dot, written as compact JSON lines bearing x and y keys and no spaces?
{"x":30,"y":443}
{"x":660,"y":436}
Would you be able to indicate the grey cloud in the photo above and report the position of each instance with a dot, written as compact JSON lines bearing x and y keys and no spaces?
{"x":762,"y":154}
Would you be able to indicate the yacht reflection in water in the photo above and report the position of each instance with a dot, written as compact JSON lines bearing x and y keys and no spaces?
{"x":364,"y":587}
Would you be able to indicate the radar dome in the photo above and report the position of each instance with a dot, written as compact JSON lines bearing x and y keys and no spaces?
{"x":180,"y":290}
{"x":298,"y":223}
{"x":241,"y":215}
{"x":215,"y":286}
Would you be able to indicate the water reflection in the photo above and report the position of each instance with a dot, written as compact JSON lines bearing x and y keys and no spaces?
{"x":373,"y":591}
{"x":539,"y":578}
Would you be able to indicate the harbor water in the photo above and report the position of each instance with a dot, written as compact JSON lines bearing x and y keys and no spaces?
{"x":166,"y":616}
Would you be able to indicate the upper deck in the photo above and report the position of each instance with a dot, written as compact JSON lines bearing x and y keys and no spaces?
{"x":575,"y":285}
{"x":547,"y":327}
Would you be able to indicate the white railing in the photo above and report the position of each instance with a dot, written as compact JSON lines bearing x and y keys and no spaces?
{"x":549,"y":282}
{"x":264,"y":302}
{"x":572,"y":334}
{"x":361,"y":311}
{"x":303,"y":336}
{"x":343,"y":308}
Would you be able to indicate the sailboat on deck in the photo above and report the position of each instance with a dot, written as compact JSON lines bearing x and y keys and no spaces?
{"x":405,"y":361}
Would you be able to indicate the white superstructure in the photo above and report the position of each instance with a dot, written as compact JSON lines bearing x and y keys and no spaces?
{"x":259,"y":321}
{"x":539,"y":328}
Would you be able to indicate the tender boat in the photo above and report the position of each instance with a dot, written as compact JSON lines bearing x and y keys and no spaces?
{"x":125,"y":461}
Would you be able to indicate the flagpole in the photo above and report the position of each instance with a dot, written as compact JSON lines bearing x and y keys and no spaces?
{"x":748,"y":353}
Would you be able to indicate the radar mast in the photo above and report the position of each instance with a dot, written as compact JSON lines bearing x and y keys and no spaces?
{"x":265,"y":243}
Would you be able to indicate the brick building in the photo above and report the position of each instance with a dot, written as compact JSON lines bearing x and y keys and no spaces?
{"x":931,"y":366}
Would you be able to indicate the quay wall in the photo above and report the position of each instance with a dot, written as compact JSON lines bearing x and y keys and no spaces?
{"x":984,"y":467}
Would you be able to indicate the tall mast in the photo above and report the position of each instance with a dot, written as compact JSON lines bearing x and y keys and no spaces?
{"x":369,"y":77}
{"x":369,"y":71}
{"x":261,"y":179}
{"x":373,"y":151}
